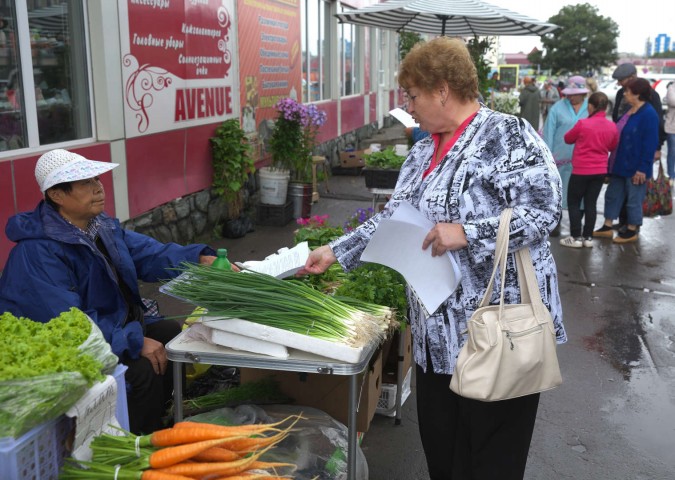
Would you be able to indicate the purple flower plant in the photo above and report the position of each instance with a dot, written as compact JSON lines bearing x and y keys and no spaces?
{"x":360,"y":216}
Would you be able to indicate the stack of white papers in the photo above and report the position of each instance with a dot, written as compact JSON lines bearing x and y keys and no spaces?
{"x":397,"y":243}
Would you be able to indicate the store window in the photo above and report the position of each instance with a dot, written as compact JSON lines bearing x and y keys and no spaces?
{"x":315,"y":82}
{"x":349,"y":58}
{"x":44,"y":89}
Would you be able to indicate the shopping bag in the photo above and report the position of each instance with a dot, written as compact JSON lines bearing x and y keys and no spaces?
{"x":658,"y":200}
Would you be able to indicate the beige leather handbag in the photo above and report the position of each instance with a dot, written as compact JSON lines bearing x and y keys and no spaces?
{"x":511,"y":350}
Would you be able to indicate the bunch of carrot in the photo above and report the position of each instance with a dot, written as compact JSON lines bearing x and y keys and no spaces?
{"x":188,"y":450}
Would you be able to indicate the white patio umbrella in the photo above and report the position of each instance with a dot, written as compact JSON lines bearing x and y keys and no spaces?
{"x":459,"y":18}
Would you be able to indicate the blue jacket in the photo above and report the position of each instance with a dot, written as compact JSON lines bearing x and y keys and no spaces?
{"x":637,"y":144}
{"x":53,"y":267}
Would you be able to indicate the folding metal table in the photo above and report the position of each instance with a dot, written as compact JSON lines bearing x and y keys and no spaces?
{"x":183,"y":349}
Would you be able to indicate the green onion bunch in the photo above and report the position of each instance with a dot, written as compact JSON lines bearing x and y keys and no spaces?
{"x":286,"y":304}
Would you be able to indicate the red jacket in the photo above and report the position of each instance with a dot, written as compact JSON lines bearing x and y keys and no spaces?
{"x":594,"y":137}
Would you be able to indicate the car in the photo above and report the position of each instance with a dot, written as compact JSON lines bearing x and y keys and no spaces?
{"x":660,"y":83}
{"x":610,"y":88}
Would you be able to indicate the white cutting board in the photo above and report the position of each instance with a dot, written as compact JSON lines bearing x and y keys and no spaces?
{"x":333,"y":350}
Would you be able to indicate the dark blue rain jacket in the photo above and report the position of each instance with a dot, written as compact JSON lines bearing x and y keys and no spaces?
{"x":54,"y":267}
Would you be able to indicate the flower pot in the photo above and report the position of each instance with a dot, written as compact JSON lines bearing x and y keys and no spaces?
{"x":273,"y":185}
{"x":301,"y":197}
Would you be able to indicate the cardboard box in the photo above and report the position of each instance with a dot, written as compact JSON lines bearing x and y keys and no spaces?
{"x":352,"y":158}
{"x":390,"y":362}
{"x":329,"y":393}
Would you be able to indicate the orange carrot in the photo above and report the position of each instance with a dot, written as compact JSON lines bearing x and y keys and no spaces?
{"x":157,"y":475}
{"x":217,"y":454}
{"x":249,"y":444}
{"x":180,"y":436}
{"x":256,"y":427}
{"x":168,"y":456}
{"x":197,"y":470}
{"x":265,"y":465}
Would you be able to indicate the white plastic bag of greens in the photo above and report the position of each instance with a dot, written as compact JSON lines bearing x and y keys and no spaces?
{"x":97,"y":346}
{"x":317,"y":445}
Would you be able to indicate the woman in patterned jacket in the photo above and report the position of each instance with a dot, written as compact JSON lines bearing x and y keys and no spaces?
{"x":475,"y":163}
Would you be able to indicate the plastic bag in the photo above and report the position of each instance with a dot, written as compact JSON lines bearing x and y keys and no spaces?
{"x":97,"y":346}
{"x":26,"y":403}
{"x":317,"y":445}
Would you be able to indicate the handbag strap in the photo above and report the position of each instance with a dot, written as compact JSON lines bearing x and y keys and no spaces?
{"x":527,"y":279}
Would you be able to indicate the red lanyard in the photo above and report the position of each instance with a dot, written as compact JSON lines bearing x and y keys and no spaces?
{"x":435,"y":160}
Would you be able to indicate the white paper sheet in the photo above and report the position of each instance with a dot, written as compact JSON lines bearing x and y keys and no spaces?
{"x":404,"y":117}
{"x":397,"y":243}
{"x":285,"y":263}
{"x":94,"y":414}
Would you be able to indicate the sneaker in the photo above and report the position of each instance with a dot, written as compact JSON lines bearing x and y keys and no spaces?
{"x":626,"y":237}
{"x":572,"y":242}
{"x":604,"y":232}
{"x":619,"y":226}
{"x":588,"y":242}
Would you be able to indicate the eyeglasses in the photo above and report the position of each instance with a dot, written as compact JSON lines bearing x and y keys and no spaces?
{"x":407,"y":98}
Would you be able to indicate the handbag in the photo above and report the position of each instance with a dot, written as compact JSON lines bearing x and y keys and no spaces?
{"x":511,"y":349}
{"x":658,"y":200}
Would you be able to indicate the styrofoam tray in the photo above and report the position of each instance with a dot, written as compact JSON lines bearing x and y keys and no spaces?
{"x":248,"y":344}
{"x":298,"y":341}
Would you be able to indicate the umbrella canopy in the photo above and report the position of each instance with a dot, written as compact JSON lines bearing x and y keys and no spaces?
{"x":459,"y":18}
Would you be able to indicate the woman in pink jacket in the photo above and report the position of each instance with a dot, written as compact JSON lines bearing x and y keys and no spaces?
{"x":593,"y":138}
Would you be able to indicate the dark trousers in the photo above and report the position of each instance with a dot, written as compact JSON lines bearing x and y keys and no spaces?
{"x":147,"y":392}
{"x":466,"y":439}
{"x":586,"y":188}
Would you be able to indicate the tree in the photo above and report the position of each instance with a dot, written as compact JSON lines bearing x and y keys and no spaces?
{"x":478,"y":48}
{"x":406,"y":41}
{"x":584,"y":43}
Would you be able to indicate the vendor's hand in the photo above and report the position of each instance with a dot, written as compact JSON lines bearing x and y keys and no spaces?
{"x":639,"y":178}
{"x":208,"y":260}
{"x":154,"y":351}
{"x":318,"y":261}
{"x":444,"y":237}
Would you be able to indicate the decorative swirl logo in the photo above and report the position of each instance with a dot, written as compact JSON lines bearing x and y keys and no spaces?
{"x":225,"y":21}
{"x":139,"y":86}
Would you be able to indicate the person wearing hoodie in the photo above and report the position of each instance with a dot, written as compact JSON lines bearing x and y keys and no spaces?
{"x":69,"y":253}
{"x":529,"y":100}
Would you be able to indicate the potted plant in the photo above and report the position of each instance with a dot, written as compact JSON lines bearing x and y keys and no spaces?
{"x":232,"y":164}
{"x":382,"y":168}
{"x":291,"y":144}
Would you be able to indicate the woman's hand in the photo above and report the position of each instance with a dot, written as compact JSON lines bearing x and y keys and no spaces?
{"x":639,"y":178}
{"x":154,"y":351}
{"x":318,"y":261}
{"x":444,"y":237}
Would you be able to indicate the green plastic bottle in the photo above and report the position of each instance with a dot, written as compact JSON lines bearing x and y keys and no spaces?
{"x":221,"y":262}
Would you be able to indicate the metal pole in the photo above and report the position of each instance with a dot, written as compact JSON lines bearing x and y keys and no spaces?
{"x":351,"y":430}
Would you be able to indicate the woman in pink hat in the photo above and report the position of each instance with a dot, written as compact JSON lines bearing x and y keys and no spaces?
{"x":561,"y":118}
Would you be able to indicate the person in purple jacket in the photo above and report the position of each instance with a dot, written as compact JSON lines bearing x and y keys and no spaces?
{"x":593,"y":138}
{"x":69,"y":253}
{"x":634,"y":160}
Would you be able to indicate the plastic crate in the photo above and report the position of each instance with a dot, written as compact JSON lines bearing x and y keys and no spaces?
{"x":380,"y":178}
{"x":38,"y":454}
{"x":386,"y":404}
{"x":121,"y":407}
{"x":274,"y":215}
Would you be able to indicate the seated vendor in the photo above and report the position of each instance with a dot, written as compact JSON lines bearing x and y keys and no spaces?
{"x":69,"y":253}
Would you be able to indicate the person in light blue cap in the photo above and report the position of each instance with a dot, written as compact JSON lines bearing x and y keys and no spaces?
{"x":561,"y":118}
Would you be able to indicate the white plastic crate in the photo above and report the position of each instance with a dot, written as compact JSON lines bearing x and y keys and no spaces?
{"x":386,"y":404}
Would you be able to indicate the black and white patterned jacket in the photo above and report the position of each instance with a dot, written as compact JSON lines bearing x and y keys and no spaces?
{"x":498,"y":161}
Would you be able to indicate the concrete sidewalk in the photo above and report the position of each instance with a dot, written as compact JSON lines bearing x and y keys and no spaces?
{"x":613,"y":416}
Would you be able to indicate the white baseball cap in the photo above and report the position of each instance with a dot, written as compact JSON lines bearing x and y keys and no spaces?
{"x":58,"y":166}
